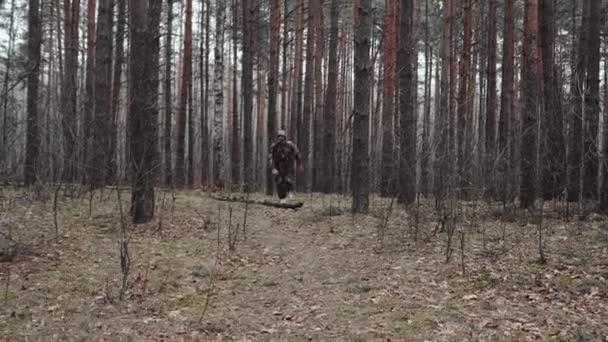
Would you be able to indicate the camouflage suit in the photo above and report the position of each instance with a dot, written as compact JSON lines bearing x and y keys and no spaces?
{"x":282,"y":157}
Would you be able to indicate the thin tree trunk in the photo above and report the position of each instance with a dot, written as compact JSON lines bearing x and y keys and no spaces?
{"x":296,"y":100}
{"x":554,"y":176}
{"x":205,"y":101}
{"x":168,"y":97}
{"x":117,"y":82}
{"x":442,"y":114}
{"x":506,"y":101}
{"x":218,"y":89}
{"x":250,"y":10}
{"x":273,"y":81}
{"x":317,"y":144}
{"x":305,"y":125}
{"x":236,"y":132}
{"x":180,"y":167}
{"x":69,"y":97}
{"x":592,"y":100}
{"x":329,"y":116}
{"x":363,"y":76}
{"x":388,"y":179}
{"x":144,"y":52}
{"x":8,"y":66}
{"x":101,"y":119}
{"x":407,"y":157}
{"x":89,"y":105}
{"x":531,"y":86}
{"x":490,"y":141}
{"x":34,"y":41}
{"x":577,"y":152}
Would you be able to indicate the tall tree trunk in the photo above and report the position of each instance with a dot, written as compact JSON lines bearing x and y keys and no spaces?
{"x":442,"y":114}
{"x":554,"y":176}
{"x":604,"y":189}
{"x":89,"y":104}
{"x":329,"y":116}
{"x":144,"y":49}
{"x":180,"y":167}
{"x":407,"y":157}
{"x":205,"y":100}
{"x":305,"y":126}
{"x":69,"y":97}
{"x":8,"y":66}
{"x":273,"y":81}
{"x":506,"y":101}
{"x":317,"y":149}
{"x":531,"y":111}
{"x":101,"y":119}
{"x":388,"y":179}
{"x":34,"y":41}
{"x":168,"y":97}
{"x":285,"y":72}
{"x":592,"y":100}
{"x":296,"y":100}
{"x":490,"y":127}
{"x":463,"y":96}
{"x":363,"y":75}
{"x":218,"y":89}
{"x":577,"y":152}
{"x":250,"y":10}
{"x":236,"y":132}
{"x":426,"y":121}
{"x":116,"y":86}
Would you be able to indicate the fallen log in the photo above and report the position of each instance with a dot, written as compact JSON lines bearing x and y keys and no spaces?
{"x":296,"y":205}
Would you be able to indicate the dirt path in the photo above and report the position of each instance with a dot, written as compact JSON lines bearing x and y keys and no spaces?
{"x":308,"y":275}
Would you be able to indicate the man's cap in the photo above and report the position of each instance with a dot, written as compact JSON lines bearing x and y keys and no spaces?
{"x":281,"y":133}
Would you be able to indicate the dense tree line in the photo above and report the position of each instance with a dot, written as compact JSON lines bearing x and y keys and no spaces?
{"x":441,"y":98}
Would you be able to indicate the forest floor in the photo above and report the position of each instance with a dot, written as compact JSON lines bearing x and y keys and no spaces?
{"x":314,"y":274}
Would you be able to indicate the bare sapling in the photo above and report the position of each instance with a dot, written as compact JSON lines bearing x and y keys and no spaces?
{"x":384,"y":224}
{"x":215,"y":267}
{"x":245,"y":218}
{"x":232,"y":232}
{"x":462,"y":245}
{"x":123,"y":245}
{"x":55,"y":211}
{"x":541,"y":249}
{"x":161,"y":215}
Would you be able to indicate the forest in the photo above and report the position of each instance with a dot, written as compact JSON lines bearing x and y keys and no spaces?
{"x":451,"y":181}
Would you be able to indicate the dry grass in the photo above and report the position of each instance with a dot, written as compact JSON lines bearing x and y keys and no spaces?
{"x":312,"y":274}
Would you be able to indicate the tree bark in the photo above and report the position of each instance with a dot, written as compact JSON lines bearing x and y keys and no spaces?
{"x":388,"y":181}
{"x":143,"y":50}
{"x":296,"y":100}
{"x":577,"y":153}
{"x":101,"y":119}
{"x":329,"y":135}
{"x":273,"y":81}
{"x":218,"y":89}
{"x":168,"y":97}
{"x":236,"y":131}
{"x":407,"y":157}
{"x":317,"y":144}
{"x":363,"y":73}
{"x":180,"y":165}
{"x":506,"y":101}
{"x":89,"y":104}
{"x":205,"y":101}
{"x":490,"y":127}
{"x":250,"y":10}
{"x":116,"y":86}
{"x":531,"y":111}
{"x":69,"y":97}
{"x":592,"y":100}
{"x":304,"y":126}
{"x":34,"y":41}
